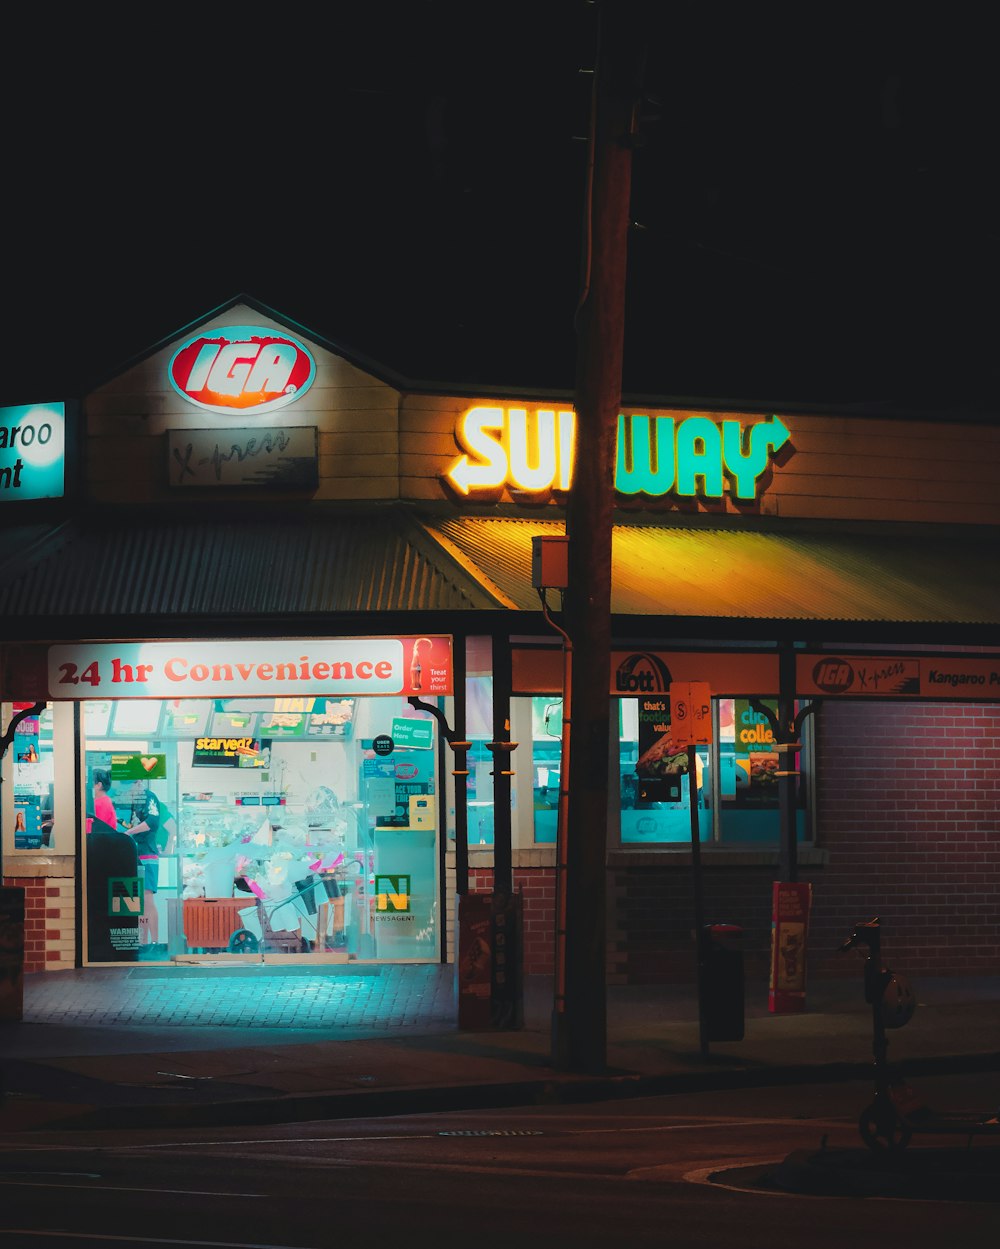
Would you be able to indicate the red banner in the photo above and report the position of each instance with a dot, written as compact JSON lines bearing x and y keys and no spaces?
{"x":790,"y":905}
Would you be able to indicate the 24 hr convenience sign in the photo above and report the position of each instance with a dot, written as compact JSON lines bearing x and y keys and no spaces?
{"x":227,"y":669}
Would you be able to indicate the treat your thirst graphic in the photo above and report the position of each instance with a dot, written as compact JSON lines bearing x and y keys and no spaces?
{"x":420,"y":646}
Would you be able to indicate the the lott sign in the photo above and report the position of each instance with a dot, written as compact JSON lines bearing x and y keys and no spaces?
{"x":245,"y":368}
{"x":531,"y":452}
{"x":218,"y":669}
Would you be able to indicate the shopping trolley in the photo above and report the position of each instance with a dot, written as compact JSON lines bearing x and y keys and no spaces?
{"x":309,"y":917}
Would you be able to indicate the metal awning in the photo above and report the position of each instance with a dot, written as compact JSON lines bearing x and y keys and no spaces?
{"x":266,"y":563}
{"x":752,"y":574}
{"x":276,"y":565}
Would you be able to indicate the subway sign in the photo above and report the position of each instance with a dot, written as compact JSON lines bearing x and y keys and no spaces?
{"x":531,"y":452}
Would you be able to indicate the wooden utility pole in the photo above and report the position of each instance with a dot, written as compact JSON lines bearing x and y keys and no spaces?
{"x":580,"y":1017}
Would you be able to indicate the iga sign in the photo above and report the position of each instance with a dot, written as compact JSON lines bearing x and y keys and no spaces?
{"x":531,"y":452}
{"x":337,"y":666}
{"x":32,"y":451}
{"x":898,"y":676}
{"x":242,"y":368}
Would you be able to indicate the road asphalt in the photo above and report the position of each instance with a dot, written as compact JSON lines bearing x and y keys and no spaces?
{"x":172,"y":1046}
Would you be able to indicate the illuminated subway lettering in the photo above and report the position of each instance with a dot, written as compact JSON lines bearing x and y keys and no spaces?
{"x":532,"y":453}
{"x":503,"y":447}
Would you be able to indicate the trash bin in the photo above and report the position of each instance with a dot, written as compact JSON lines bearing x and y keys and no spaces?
{"x":722,"y":982}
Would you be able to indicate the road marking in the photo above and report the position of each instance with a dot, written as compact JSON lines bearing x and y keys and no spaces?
{"x":126,"y":1188}
{"x":687,"y":1126}
{"x":105,"y":1237}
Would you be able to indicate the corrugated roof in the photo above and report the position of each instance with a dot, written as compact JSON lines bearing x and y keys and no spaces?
{"x":266,"y":564}
{"x":262,"y":565}
{"x":749,"y":574}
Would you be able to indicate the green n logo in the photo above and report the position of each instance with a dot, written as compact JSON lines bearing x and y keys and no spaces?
{"x":392,"y":893}
{"x":125,"y":896}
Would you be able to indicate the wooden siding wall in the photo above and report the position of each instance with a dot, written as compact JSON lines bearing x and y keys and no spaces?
{"x":127,"y":420}
{"x":378,"y":443}
{"x":835,"y":468}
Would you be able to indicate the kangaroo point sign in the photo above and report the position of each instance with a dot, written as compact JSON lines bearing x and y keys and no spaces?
{"x":531,"y":452}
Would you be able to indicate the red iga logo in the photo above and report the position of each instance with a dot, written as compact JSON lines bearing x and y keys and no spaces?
{"x":242,"y":367}
{"x":833,"y":675}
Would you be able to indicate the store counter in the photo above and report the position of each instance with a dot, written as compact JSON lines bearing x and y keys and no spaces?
{"x":210,"y":922}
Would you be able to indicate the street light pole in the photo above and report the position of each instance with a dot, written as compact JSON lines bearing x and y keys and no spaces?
{"x":580,"y":1020}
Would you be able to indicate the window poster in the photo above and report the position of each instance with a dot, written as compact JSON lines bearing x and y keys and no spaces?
{"x":27,"y":822}
{"x":755,"y":753}
{"x":660,"y":765}
{"x":411,"y":774}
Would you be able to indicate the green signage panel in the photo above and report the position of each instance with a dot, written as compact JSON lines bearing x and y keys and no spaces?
{"x":138,"y":767}
{"x":413,"y":734}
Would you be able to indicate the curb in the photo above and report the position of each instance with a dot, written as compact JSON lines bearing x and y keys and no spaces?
{"x":952,"y":1174}
{"x":429,"y":1099}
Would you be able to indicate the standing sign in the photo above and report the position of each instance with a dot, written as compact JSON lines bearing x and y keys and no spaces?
{"x":691,"y":713}
{"x":691,"y":724}
{"x":790,"y":903}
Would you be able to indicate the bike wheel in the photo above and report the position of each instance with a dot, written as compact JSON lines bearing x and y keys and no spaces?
{"x":882,"y":1130}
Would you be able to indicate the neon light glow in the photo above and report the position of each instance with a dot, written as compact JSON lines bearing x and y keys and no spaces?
{"x":532,"y":453}
{"x":246,"y":367}
{"x":32,"y":451}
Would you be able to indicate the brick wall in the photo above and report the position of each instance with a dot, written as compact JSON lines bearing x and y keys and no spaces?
{"x":538,"y":914}
{"x":908,"y":813}
{"x":652,"y":917}
{"x":49,"y":912}
{"x":909,"y":809}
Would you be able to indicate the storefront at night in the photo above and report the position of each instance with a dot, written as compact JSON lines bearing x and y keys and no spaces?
{"x":276,"y":584}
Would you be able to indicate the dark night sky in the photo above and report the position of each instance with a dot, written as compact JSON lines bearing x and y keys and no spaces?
{"x":816,"y":205}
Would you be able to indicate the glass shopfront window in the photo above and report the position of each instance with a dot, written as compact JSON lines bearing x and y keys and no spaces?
{"x":654,"y":785}
{"x":736,"y":783}
{"x":479,"y":728}
{"x":38,"y":790}
{"x":261,"y":828}
{"x":546,"y":762}
{"x":33,"y":776}
{"x":748,"y":763}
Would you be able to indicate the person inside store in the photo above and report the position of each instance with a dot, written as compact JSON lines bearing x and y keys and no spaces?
{"x":151,"y":832}
{"x":104,"y":808}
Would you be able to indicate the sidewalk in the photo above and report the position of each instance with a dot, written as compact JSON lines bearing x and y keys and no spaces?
{"x":174,"y":1046}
